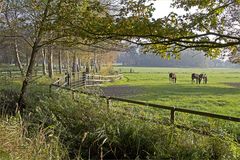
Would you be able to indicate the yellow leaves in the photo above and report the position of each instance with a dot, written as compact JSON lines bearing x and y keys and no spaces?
{"x":233,"y":50}
{"x":85,"y":5}
{"x":213,"y":52}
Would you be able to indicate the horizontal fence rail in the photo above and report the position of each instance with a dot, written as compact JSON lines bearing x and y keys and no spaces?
{"x":92,"y":80}
{"x":176,"y":109}
{"x":172,"y":110}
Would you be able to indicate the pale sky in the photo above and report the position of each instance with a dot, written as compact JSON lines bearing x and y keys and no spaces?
{"x":163,"y":8}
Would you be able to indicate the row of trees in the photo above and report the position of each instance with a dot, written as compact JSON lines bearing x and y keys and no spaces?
{"x":52,"y":58}
{"x":213,"y":28}
{"x":189,"y":58}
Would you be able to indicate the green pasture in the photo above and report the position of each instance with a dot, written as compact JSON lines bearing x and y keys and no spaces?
{"x":220,"y":95}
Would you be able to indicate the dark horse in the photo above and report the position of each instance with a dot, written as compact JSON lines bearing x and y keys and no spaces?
{"x":196,"y":77}
{"x":172,"y":77}
{"x":199,"y":77}
{"x":203,"y":77}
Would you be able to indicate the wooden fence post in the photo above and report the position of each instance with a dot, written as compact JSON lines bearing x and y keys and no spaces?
{"x":73,"y":95}
{"x":50,"y":89}
{"x":108,"y":102}
{"x":172,"y":117}
{"x":68,"y":80}
{"x":58,"y":82}
{"x":84,"y":78}
{"x":10,"y":74}
{"x":65,"y":78}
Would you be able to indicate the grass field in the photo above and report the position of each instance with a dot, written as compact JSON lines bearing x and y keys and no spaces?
{"x":220,"y":95}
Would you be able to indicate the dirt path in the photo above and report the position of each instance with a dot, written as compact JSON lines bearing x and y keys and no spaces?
{"x":122,"y":91}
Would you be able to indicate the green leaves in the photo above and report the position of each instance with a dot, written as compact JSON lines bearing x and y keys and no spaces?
{"x":85,"y":21}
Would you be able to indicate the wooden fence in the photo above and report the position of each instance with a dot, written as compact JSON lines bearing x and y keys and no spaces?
{"x":10,"y":73}
{"x":85,"y":80}
{"x":17,"y":73}
{"x":172,"y":110}
{"x":89,"y":80}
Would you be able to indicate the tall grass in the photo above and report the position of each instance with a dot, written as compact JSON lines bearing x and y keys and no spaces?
{"x":94,"y":131}
{"x":16,"y":145}
{"x":23,"y":138}
{"x":57,"y":127}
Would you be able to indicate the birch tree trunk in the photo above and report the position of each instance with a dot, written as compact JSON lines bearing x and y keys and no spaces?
{"x":17,"y":58}
{"x":79,"y":65}
{"x":44,"y":61}
{"x":74,"y":65}
{"x":60,"y":61}
{"x":68,"y":63}
{"x":50,"y":62}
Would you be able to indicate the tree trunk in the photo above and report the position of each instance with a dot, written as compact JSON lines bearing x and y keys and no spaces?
{"x":21,"y":101}
{"x":44,"y":61}
{"x":18,"y":58}
{"x":35,"y":48}
{"x":91,"y":65}
{"x":95,"y":70}
{"x":74,"y":65}
{"x":68,"y":63}
{"x":87,"y":68}
{"x":99,"y":66}
{"x":79,"y":65}
{"x":60,"y":61}
{"x":50,"y":62}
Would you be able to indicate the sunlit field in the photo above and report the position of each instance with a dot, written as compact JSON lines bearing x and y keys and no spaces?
{"x":220,"y":95}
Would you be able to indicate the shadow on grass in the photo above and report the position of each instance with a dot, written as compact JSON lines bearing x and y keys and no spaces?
{"x":193,"y":90}
{"x":151,"y":91}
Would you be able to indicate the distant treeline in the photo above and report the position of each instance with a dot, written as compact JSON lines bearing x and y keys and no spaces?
{"x":187,"y":59}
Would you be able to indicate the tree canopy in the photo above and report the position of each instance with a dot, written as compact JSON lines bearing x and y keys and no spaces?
{"x":212,"y":27}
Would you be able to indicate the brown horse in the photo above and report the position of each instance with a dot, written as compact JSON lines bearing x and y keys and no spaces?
{"x":172,"y":77}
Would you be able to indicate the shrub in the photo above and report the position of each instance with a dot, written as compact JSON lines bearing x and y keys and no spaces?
{"x":8,"y":101}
